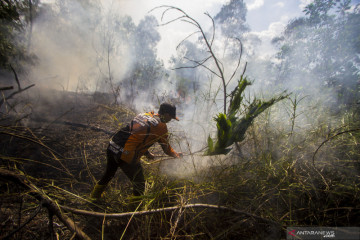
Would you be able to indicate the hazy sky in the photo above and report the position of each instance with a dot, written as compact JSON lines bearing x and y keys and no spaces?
{"x":267,"y":18}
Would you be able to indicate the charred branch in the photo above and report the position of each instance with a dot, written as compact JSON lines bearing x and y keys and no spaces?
{"x":6,"y":88}
{"x":20,"y":90}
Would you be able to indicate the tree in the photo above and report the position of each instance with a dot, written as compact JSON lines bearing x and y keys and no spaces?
{"x":146,"y":67}
{"x":15,"y":16}
{"x":146,"y":63}
{"x":232,"y":19}
{"x":108,"y":50}
{"x":323,"y":47}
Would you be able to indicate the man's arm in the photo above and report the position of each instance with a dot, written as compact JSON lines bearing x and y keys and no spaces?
{"x":169,"y":150}
{"x":165,"y":145}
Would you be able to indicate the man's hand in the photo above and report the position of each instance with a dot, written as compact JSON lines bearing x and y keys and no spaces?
{"x":180,"y":154}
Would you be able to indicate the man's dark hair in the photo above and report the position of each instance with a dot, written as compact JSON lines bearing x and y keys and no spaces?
{"x":168,"y":108}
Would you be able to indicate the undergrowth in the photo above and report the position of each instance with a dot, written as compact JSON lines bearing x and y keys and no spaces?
{"x":280,"y":175}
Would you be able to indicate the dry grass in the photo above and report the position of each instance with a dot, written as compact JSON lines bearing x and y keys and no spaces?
{"x":273,"y":178}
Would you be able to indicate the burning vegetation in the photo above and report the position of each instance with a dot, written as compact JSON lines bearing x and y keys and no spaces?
{"x":251,"y":166}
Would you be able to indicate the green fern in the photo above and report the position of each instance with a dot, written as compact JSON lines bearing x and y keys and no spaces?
{"x":231,"y":128}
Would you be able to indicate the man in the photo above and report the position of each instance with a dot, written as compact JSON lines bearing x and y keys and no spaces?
{"x":132,"y":142}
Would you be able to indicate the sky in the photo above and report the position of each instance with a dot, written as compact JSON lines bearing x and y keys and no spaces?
{"x":69,"y":60}
{"x":266,"y":18}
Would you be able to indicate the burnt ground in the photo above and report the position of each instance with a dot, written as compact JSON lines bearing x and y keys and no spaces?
{"x":60,"y":142}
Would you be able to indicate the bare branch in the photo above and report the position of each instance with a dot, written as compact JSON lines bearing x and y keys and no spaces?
{"x":213,"y":26}
{"x":36,"y":212}
{"x":182,"y":41}
{"x":192,"y":23}
{"x":171,"y":21}
{"x":19,"y":88}
{"x":239,"y":61}
{"x":242,"y":75}
{"x":198,"y":64}
{"x":204,"y":60}
{"x":14,"y":93}
{"x":16,"y":78}
{"x":219,"y":65}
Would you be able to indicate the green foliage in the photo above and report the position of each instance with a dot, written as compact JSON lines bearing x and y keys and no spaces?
{"x":224,"y":133}
{"x":10,"y":22}
{"x":231,"y":128}
{"x":14,"y":17}
{"x":323,"y":47}
{"x":318,"y":10}
{"x":237,"y":96}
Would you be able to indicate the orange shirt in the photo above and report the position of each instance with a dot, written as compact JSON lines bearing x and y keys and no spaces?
{"x":146,"y":129}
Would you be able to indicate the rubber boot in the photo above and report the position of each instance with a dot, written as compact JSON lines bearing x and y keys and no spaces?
{"x":96,"y":192}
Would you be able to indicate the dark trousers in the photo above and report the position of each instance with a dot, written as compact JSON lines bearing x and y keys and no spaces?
{"x":133,"y":171}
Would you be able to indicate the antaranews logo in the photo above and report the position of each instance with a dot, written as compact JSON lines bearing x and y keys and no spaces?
{"x":314,"y":233}
{"x":292,"y":233}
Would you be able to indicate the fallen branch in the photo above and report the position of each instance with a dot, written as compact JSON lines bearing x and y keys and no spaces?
{"x":14,"y":93}
{"x":167,"y":209}
{"x":51,"y":205}
{"x":6,"y":88}
{"x":20,"y":90}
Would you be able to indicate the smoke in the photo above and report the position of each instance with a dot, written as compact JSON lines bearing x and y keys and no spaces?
{"x":92,"y":47}
{"x":62,"y":40}
{"x":313,"y":101}
{"x":82,"y":46}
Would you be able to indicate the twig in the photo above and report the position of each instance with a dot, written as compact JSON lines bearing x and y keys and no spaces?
{"x":347,"y":131}
{"x":19,"y":88}
{"x":238,"y":63}
{"x":127,"y":225}
{"x":167,"y":209}
{"x":16,"y":77}
{"x":14,"y":93}
{"x":51,"y":205}
{"x":313,"y":158}
{"x":36,"y":212}
{"x":6,"y":88}
{"x":51,"y":225}
{"x":208,"y":43}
